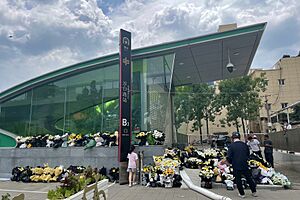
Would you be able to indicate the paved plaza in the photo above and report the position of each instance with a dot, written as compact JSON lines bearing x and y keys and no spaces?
{"x":123,"y":192}
{"x":38,"y":191}
{"x":32,"y":191}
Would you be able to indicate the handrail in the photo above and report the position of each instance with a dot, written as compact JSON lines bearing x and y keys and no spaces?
{"x":19,"y":197}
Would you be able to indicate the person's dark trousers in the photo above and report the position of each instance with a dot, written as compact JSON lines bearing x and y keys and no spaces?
{"x":269,"y":158}
{"x":238,"y":179}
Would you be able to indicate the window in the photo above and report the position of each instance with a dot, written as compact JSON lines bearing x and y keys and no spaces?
{"x":89,"y":102}
{"x":281,"y":81}
{"x":284,"y":105}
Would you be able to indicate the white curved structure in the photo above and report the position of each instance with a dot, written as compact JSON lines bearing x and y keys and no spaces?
{"x":201,"y":190}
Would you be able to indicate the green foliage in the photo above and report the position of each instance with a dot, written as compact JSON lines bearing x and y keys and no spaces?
{"x":240,"y":96}
{"x":150,"y":139}
{"x":182,"y":105}
{"x":201,"y":102}
{"x":56,"y":194}
{"x":75,"y":183}
{"x":5,"y":196}
{"x":194,"y":103}
{"x":295,"y":115}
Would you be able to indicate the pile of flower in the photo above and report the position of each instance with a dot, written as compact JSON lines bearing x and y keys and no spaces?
{"x":154,"y":137}
{"x":212,"y":166}
{"x":164,"y":172}
{"x":43,"y":173}
{"x":142,"y":136}
{"x":263,"y":173}
{"x":113,"y":174}
{"x":57,"y":174}
{"x":158,"y":136}
{"x":69,"y":140}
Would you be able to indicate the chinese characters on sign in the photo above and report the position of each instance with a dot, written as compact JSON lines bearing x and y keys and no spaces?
{"x":125,"y":92}
{"x":125,"y":95}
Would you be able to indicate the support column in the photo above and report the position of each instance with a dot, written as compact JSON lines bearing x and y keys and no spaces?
{"x":171,"y":137}
{"x":144,"y":97}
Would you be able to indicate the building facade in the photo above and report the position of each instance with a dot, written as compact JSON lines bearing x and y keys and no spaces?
{"x":84,"y":98}
{"x":282,"y":90}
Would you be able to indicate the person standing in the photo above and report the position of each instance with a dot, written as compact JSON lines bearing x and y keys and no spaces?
{"x":268,"y":150}
{"x":132,"y":164}
{"x":238,"y":156}
{"x":254,"y":145}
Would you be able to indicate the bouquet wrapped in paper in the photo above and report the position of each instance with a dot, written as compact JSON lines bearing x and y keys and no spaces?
{"x":143,"y":137}
{"x":206,"y":174}
{"x":158,"y":136}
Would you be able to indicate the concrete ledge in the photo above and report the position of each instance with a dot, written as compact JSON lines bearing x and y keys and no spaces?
{"x":290,"y":161}
{"x":96,"y":157}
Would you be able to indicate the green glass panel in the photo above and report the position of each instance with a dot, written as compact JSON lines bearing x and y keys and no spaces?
{"x":150,"y":100}
{"x":65,"y":105}
{"x":7,"y":141}
{"x":89,"y":102}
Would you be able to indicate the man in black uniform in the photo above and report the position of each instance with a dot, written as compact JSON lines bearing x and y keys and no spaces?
{"x":269,"y":150}
{"x":238,"y":155}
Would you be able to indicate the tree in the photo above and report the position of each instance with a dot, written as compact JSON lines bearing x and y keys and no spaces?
{"x":182,"y":105}
{"x":202,"y":96}
{"x":240,"y":96}
{"x":295,"y":115}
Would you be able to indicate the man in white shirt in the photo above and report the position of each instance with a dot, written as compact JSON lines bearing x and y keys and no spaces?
{"x":254,"y":145}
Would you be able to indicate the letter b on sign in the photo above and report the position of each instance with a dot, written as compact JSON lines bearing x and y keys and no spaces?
{"x":125,"y":122}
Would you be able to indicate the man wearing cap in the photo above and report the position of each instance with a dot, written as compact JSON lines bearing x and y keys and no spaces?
{"x":254,"y":145}
{"x":238,"y":155}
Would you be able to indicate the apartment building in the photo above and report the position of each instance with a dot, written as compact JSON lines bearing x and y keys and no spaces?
{"x":283,"y":89}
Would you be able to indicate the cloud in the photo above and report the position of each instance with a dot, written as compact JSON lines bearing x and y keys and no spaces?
{"x":25,"y":69}
{"x":160,"y":21}
{"x":40,"y":36}
{"x":50,"y":34}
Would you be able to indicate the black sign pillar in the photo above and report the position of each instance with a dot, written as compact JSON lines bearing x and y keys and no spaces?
{"x":124,"y":102}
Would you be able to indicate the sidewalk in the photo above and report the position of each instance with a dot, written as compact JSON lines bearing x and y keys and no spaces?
{"x":32,"y":191}
{"x":264,"y":192}
{"x":38,"y":191}
{"x":123,"y":192}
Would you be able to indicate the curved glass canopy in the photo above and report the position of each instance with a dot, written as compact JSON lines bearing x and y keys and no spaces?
{"x":88,"y":102}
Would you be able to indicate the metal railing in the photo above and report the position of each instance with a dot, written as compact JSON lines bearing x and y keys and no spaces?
{"x":286,"y":140}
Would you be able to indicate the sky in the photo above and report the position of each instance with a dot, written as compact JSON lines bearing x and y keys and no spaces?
{"x":39,"y":36}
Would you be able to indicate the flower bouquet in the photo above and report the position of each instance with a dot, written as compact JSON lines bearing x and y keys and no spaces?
{"x":172,"y":153}
{"x":168,"y":177}
{"x":159,"y":137}
{"x":150,"y":138}
{"x":106,"y":138}
{"x":206,"y":174}
{"x":143,"y":137}
{"x":280,"y":179}
{"x":158,"y":160}
{"x":147,"y":169}
{"x":169,"y":171}
{"x":193,"y":163}
{"x":113,"y":139}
